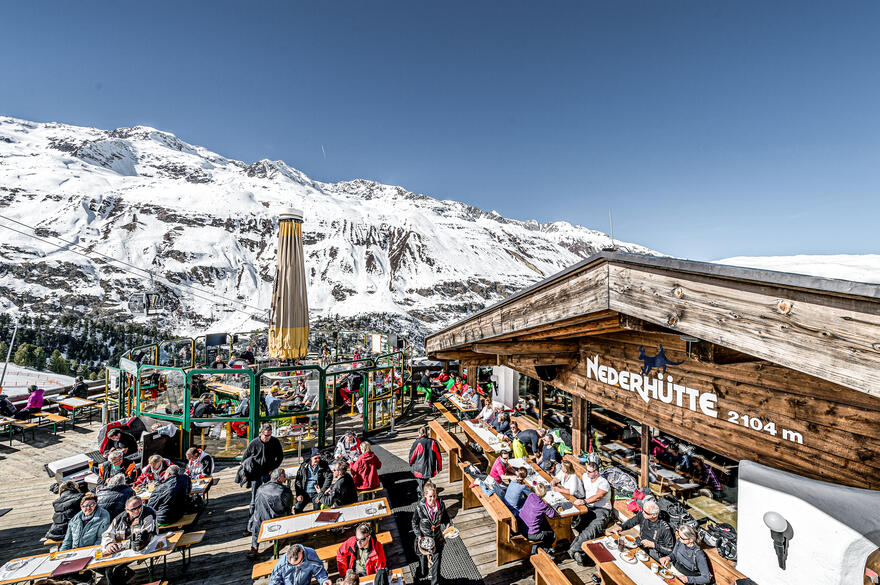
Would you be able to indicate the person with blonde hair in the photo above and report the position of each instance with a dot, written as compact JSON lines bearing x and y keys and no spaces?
{"x":534,"y":514}
{"x":365,"y":469}
{"x":688,"y":559}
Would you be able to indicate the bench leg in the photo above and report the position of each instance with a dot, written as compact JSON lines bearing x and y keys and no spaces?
{"x":469,"y":500}
{"x":454,"y":470}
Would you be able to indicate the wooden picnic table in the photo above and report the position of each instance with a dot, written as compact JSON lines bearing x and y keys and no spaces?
{"x":305,"y":523}
{"x":228,"y":389}
{"x":200,"y":487}
{"x":486,"y":437}
{"x":620,"y":572}
{"x":43,"y":565}
{"x":73,"y":404}
{"x":460,"y":405}
{"x":713,"y":509}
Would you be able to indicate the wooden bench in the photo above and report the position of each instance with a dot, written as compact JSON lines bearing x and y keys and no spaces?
{"x":325,"y":553}
{"x":369,"y":493}
{"x":185,"y":543}
{"x":509,"y":544}
{"x":457,"y":452}
{"x":450,"y":418}
{"x":55,"y":419}
{"x":22,"y":426}
{"x":546,"y":571}
{"x":184,"y":522}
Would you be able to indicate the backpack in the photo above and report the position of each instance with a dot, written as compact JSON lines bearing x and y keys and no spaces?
{"x":623,"y":483}
{"x":676,"y":513}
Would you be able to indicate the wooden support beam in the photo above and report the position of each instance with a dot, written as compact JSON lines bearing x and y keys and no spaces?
{"x":646,"y":454}
{"x":561,"y":359}
{"x":523,"y":347}
{"x":596,"y":327}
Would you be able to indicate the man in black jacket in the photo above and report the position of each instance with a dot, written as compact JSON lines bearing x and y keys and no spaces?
{"x":80,"y":390}
{"x":313,"y":474}
{"x":425,"y":459}
{"x":124,"y":442}
{"x":342,"y":491}
{"x":171,"y":497}
{"x":655,"y":535}
{"x":274,"y":500}
{"x":266,"y":454}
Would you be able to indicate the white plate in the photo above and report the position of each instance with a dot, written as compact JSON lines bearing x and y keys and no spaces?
{"x":632,"y":561}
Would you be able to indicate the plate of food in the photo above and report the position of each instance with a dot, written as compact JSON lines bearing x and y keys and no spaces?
{"x":642,"y":556}
{"x":629,"y":541}
{"x":451,"y":532}
{"x":666,"y":574}
{"x":628,"y":556}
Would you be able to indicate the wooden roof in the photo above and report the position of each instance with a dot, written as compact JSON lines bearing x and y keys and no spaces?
{"x":823,"y":327}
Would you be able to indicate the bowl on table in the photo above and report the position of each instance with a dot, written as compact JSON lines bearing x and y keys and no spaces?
{"x":629,"y":541}
{"x":642,"y":556}
{"x":666,"y":574}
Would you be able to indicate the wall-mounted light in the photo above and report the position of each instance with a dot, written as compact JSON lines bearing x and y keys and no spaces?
{"x":690,"y":341}
{"x":781,"y":533}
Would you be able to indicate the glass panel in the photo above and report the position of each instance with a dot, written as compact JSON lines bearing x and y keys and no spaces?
{"x":177,"y":353}
{"x":220,"y":410}
{"x":291,"y":403}
{"x":161,"y":391}
{"x":112,"y":381}
{"x":145,"y":355}
{"x":254,"y":344}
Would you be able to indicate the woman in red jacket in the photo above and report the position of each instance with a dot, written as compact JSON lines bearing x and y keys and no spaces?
{"x":363,"y":539}
{"x":365,"y":470}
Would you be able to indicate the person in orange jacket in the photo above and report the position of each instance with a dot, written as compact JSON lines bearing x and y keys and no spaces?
{"x":347,"y":556}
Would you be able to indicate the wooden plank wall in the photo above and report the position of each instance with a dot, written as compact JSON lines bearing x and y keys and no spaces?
{"x":581,"y":294}
{"x":840,"y":427}
{"x":832,"y":337}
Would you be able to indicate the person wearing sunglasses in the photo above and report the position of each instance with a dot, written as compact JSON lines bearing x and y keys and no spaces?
{"x":133,"y":529}
{"x":687,"y":559}
{"x":655,"y":535}
{"x":298,"y":566}
{"x":362,"y":552}
{"x":86,"y":527}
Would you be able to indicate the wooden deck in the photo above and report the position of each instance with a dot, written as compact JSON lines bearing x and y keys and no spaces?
{"x":220,"y":558}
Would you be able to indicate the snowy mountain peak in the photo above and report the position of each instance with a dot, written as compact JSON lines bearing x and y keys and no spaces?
{"x":194,"y":218}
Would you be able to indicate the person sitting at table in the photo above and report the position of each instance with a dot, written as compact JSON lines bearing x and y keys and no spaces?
{"x":597,"y":497}
{"x":298,"y":566}
{"x":153,"y":470}
{"x":113,"y":495}
{"x":274,"y":500}
{"x":199,"y":463}
{"x":502,"y":423}
{"x":312,"y":475}
{"x":548,"y":454}
{"x":501,"y":468}
{"x":132,"y":529}
{"x":125,"y":442}
{"x":362,"y":552}
{"x":517,"y":491}
{"x":205,"y":408}
{"x":469,"y":394}
{"x":655,"y":535}
{"x":6,"y":407}
{"x":86,"y":527}
{"x":218,"y":363}
{"x":457,"y":386}
{"x":247,"y":356}
{"x":688,"y":559}
{"x":341,"y":491}
{"x":116,"y":464}
{"x":443,"y":377}
{"x":243,"y":409}
{"x":534,"y":514}
{"x":531,"y":438}
{"x":170,"y":499}
{"x":64,"y":507}
{"x":348,"y":447}
{"x":79,"y":390}
{"x":34,"y":403}
{"x":425,"y":387}
{"x":273,"y":402}
{"x":365,"y":470}
{"x":487,"y":413}
{"x":427,"y":521}
{"x":567,"y":482}
{"x":532,"y":408}
{"x":425,"y":459}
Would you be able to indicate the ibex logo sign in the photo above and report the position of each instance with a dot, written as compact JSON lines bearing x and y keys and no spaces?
{"x":649,"y":388}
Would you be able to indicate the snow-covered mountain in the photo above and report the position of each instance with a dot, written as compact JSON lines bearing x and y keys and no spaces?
{"x":196,"y":218}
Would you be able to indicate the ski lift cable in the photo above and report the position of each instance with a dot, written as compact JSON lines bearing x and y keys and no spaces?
{"x":169,"y":283}
{"x":123,"y":262}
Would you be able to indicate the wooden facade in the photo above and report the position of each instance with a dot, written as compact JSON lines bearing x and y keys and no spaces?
{"x":780,"y":369}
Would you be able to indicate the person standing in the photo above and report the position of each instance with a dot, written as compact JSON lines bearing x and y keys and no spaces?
{"x":597,"y":497}
{"x":274,"y":500}
{"x":265,"y":454}
{"x":430,"y":515}
{"x":424,"y":458}
{"x":365,"y":470}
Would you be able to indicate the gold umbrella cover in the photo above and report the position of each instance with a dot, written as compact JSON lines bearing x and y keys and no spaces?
{"x":289,"y":325}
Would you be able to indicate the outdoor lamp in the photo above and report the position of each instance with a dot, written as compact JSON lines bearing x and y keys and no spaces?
{"x":780,"y":532}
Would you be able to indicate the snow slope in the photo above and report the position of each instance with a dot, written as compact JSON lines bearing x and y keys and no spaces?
{"x":853,"y":267}
{"x":197,"y":218}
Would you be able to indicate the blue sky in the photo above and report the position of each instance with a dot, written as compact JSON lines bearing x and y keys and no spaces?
{"x":712,"y":129}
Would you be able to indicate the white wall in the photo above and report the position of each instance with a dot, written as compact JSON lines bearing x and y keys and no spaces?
{"x":507,"y":385}
{"x":822,"y":549}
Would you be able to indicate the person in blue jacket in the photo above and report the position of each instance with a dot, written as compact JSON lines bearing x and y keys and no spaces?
{"x":297,"y":566}
{"x":86,"y":528}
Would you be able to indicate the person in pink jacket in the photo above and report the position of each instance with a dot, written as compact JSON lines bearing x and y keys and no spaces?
{"x":365,"y":470}
{"x":34,"y":403}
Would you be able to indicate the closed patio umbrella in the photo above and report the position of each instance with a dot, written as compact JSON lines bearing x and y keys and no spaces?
{"x":289,"y":325}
